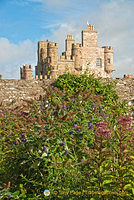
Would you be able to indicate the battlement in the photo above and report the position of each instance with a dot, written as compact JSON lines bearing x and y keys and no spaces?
{"x":128,"y":76}
{"x":69,"y":37}
{"x":108,"y":49}
{"x":27,"y":67}
{"x":78,"y":45}
{"x":42,"y":44}
{"x":90,"y":27}
{"x":52,"y":44}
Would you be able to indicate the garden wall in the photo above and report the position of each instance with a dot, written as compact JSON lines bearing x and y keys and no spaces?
{"x":14,"y":92}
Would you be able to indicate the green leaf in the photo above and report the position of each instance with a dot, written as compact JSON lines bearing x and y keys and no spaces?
{"x":128,"y":186}
{"x":107,"y":182}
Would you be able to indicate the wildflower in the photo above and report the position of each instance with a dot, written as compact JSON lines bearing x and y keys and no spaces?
{"x":9,"y":195}
{"x":125,"y":145}
{"x":44,"y":148}
{"x":93,"y":105}
{"x":41,"y":106}
{"x":75,"y":125}
{"x":65,"y":153}
{"x":23,"y":140}
{"x":90,"y":125}
{"x":62,"y":143}
{"x":73,"y":101}
{"x":98,"y":111}
{"x":15,"y":142}
{"x":100,"y":106}
{"x":70,"y":132}
{"x":42,"y":139}
{"x":82,"y":160}
{"x":1,"y":114}
{"x":79,"y":129}
{"x":97,"y":134}
{"x":63,"y":106}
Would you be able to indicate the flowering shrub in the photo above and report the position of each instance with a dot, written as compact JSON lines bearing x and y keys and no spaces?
{"x":75,"y":145}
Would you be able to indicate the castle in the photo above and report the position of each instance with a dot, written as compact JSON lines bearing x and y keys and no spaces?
{"x":76,"y":58}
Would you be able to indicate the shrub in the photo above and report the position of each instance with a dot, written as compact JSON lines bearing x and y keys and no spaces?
{"x":73,"y":144}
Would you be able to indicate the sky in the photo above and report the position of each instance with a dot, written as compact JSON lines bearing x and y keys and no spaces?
{"x":25,"y":22}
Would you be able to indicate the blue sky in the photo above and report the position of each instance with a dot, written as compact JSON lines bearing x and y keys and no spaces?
{"x":25,"y":22}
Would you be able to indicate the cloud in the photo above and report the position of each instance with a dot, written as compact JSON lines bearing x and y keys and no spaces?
{"x":114,"y":22}
{"x":13,"y":56}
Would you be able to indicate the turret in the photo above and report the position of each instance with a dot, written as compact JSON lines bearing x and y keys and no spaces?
{"x":77,"y":56}
{"x":68,"y":45}
{"x":89,"y":37}
{"x":26,"y":72}
{"x":42,"y":51}
{"x":52,"y":54}
{"x":108,"y":59}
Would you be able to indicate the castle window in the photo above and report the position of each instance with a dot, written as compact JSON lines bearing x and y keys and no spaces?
{"x":108,"y":61}
{"x":98,"y":62}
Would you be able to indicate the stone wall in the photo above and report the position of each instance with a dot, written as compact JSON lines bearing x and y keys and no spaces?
{"x":14,"y":92}
{"x":124,"y":88}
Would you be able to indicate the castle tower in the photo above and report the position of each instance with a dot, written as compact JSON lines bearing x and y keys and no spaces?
{"x":89,"y":37}
{"x":68,"y":46}
{"x":42,"y":58}
{"x":108,"y":59}
{"x":26,"y":72}
{"x":52,"y":55}
{"x":77,"y":56}
{"x":42,"y":51}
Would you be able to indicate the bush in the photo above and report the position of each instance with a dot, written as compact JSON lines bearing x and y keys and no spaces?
{"x":74,"y":144}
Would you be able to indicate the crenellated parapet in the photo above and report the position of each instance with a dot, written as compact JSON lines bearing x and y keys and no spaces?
{"x":26,"y":72}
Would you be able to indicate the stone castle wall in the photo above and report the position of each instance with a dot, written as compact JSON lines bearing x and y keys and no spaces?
{"x":14,"y":92}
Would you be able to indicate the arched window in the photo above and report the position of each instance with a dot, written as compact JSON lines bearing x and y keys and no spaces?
{"x":98,"y":62}
{"x":108,"y":61}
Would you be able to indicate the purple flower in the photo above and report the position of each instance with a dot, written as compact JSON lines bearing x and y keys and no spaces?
{"x":98,"y":111}
{"x":65,"y":153}
{"x":42,"y":139}
{"x":100,"y":106}
{"x":44,"y":148}
{"x":63,"y":106}
{"x":93,"y":105}
{"x":62,"y":143}
{"x":75,"y":125}
{"x":15,"y":142}
{"x":70,"y":132}
{"x":82,"y":160}
{"x":79,"y":129}
{"x":23,"y":140}
{"x":90,"y":125}
{"x":41,"y":106}
{"x":73,"y":101}
{"x":9,"y":195}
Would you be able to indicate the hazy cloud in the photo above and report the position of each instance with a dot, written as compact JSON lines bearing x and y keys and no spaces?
{"x":13,"y":56}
